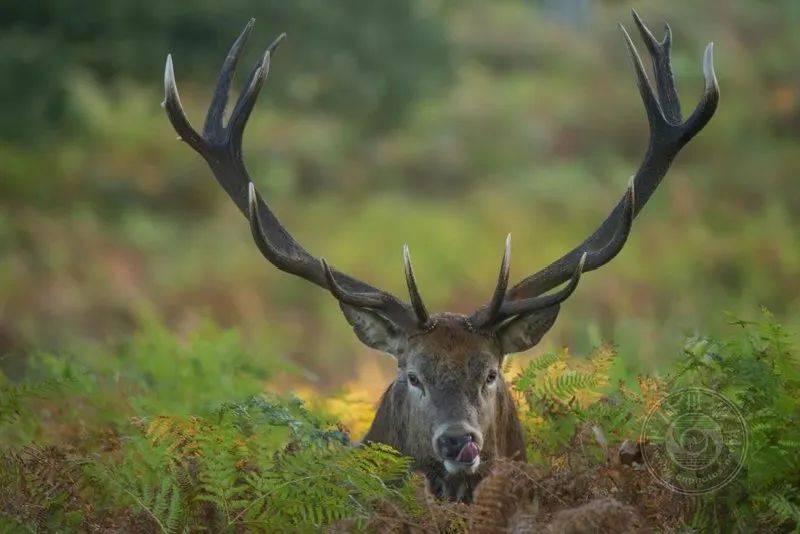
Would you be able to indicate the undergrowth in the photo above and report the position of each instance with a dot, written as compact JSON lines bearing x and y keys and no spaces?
{"x":129,"y":443}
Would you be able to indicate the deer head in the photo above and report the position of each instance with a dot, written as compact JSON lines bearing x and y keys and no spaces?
{"x":449,"y":405}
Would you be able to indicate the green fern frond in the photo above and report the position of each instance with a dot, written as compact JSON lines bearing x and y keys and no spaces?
{"x":782,"y":509}
{"x":567,"y":384}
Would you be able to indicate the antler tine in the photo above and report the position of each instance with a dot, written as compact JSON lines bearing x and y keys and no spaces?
{"x":660,"y":56}
{"x":275,"y":42}
{"x":589,"y":260}
{"x":221,"y":147}
{"x":490,"y":314}
{"x":708,"y":102}
{"x":244,"y":105}
{"x":519,"y":307}
{"x":213,"y":128}
{"x":359,"y":300}
{"x":267,"y":248}
{"x":655,"y":115}
{"x":247,"y":99}
{"x":413,"y":292}
{"x":175,"y":113}
{"x":668,"y":134}
{"x":598,"y":258}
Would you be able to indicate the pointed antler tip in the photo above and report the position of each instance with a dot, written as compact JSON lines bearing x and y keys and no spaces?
{"x":417,"y":304}
{"x":406,"y":258}
{"x":274,"y":44}
{"x":169,"y":73}
{"x":170,"y":85}
{"x":708,"y":67}
{"x":247,"y":28}
{"x":627,"y":36}
{"x":505,"y":265}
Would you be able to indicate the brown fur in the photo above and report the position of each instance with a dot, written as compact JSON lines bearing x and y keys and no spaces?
{"x":450,"y":354}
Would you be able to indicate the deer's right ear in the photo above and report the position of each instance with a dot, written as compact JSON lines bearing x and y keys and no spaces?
{"x":523,"y":332}
{"x":375,"y":329}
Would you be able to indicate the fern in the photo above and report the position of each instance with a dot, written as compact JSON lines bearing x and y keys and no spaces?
{"x":272,"y":464}
{"x":781,"y":507}
{"x":14,"y":398}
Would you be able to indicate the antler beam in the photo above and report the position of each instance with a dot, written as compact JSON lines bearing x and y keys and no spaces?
{"x":668,"y":134}
{"x":221,"y":147}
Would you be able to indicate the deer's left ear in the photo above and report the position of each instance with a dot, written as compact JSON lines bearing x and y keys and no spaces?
{"x":525,"y":331}
{"x":375,"y":329}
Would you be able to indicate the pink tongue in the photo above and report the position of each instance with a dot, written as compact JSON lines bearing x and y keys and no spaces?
{"x":468,"y":453}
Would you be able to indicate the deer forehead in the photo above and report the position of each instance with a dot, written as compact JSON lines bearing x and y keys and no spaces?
{"x":451,"y":346}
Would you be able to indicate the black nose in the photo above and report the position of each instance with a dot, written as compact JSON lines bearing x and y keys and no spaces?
{"x":450,"y":445}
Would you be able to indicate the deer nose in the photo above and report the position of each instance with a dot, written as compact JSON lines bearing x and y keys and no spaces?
{"x":457,"y":447}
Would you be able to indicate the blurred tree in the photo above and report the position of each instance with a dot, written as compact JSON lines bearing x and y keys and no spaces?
{"x":368,"y":58}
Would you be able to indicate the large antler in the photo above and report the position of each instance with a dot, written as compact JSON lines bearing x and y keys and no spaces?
{"x":221,"y":146}
{"x":668,"y":134}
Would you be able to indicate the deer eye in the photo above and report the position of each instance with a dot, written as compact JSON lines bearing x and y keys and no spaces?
{"x":491,"y":377}
{"x":414,"y":380}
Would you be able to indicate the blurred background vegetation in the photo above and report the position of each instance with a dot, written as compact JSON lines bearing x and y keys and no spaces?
{"x":438,"y":123}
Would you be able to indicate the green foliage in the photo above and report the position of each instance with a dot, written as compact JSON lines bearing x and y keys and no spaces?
{"x":15,"y":397}
{"x":341,"y":55}
{"x":113,"y":214}
{"x":269,"y":463}
{"x":758,"y":370}
{"x":214,"y":363}
{"x":442,"y":124}
{"x":162,"y":455}
{"x":237,"y":469}
{"x":562,"y":396}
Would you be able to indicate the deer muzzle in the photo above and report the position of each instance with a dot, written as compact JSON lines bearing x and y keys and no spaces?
{"x":459,"y":448}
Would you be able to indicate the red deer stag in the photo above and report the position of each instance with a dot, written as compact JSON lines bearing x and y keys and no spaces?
{"x":449,"y":407}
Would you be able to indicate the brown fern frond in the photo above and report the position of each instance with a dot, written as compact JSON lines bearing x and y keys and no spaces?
{"x":600,"y":515}
{"x":503,"y":498}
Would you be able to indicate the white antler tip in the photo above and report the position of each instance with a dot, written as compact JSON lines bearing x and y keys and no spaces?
{"x":170,"y":88}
